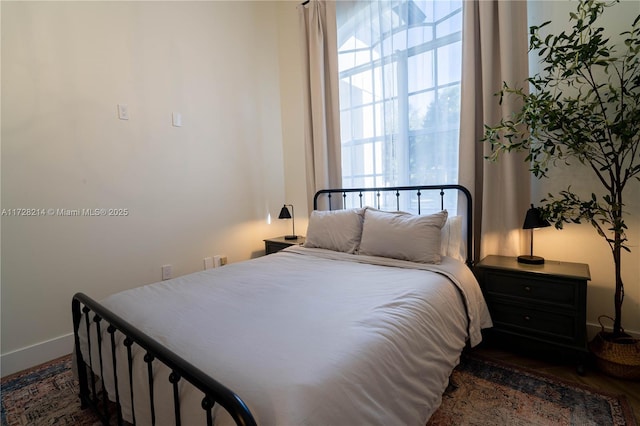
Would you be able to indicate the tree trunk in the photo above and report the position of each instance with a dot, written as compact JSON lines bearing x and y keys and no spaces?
{"x":617,"y":258}
{"x":619,"y":294}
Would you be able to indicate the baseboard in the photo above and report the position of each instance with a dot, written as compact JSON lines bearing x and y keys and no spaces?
{"x":37,"y":354}
{"x":593,"y":329}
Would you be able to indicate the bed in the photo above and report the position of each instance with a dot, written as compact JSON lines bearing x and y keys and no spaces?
{"x":361,"y":325}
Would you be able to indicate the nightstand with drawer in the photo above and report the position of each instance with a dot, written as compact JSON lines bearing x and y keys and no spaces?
{"x":537,"y":308}
{"x":273,"y":245}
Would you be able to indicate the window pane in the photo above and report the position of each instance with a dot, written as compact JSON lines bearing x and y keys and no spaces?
{"x":361,"y":88}
{"x":345,"y":126}
{"x":379,"y":120}
{"x":419,"y":35}
{"x":356,"y":158}
{"x":449,"y":107}
{"x":421,"y":71}
{"x":347,"y":157}
{"x":421,"y":108}
{"x":450,"y":63}
{"x":345,"y":93}
{"x":353,"y":53}
{"x":390,"y":116}
{"x":449,"y":26}
{"x":378,"y":158}
{"x":362,"y":122}
{"x":386,"y":79}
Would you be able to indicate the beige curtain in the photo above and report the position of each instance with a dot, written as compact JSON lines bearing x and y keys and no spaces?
{"x":320,"y":77}
{"x":494,"y":51}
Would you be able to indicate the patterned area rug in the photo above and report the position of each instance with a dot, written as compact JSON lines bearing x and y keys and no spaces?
{"x":45,"y":395}
{"x":482,"y":393}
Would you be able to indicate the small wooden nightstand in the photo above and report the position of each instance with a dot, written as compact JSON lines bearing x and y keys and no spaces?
{"x":537,"y":308}
{"x":272,"y":245}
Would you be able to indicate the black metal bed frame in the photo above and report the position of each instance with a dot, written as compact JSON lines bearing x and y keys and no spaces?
{"x":92,"y":389}
{"x":92,"y":315}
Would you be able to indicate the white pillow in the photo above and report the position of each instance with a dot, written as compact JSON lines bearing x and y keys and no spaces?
{"x":403,"y":236}
{"x":452,"y":244}
{"x":337,"y":230}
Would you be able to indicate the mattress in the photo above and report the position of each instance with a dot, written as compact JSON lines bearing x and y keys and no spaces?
{"x":308,"y":336}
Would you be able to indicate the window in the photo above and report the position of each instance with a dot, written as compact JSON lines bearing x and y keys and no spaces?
{"x":400,"y":67}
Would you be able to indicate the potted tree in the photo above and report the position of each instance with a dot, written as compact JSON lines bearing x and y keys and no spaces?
{"x":584,"y":106}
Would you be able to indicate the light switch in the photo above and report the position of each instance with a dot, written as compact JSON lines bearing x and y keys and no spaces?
{"x":176,"y":119}
{"x":123,"y":112}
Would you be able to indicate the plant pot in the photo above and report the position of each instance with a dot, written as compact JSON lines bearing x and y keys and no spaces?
{"x":616,"y":356}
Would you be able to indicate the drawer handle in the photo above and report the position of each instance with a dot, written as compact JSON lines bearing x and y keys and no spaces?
{"x":527,"y":318}
{"x":527,"y":288}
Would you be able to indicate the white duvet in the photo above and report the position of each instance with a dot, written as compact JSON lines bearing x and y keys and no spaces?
{"x":309,"y":337}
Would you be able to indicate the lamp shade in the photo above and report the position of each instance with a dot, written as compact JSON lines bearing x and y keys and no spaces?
{"x":534,"y":219}
{"x":284,"y":213}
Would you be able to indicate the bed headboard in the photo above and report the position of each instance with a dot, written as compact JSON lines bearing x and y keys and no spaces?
{"x":421,"y":199}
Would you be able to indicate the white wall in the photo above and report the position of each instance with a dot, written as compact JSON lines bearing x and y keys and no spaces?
{"x":290,"y":57}
{"x":581,"y":243}
{"x":193,"y":191}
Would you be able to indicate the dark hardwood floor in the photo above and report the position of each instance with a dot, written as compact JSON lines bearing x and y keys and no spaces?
{"x":592,"y":377}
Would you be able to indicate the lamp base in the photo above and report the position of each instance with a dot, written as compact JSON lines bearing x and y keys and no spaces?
{"x":531,"y":260}
{"x":290,"y":237}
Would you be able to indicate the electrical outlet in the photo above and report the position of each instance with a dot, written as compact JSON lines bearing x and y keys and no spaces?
{"x":208,"y":263}
{"x":176,"y":119}
{"x":123,"y":112}
{"x":166,"y":272}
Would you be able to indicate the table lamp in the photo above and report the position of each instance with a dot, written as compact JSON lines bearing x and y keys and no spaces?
{"x":533,"y":220}
{"x":284,"y":214}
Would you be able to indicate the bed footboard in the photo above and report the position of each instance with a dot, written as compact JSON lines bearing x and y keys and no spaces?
{"x":88,"y":313}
